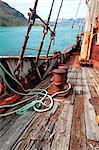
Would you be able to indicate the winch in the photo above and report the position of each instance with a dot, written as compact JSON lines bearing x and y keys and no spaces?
{"x":59,"y":81}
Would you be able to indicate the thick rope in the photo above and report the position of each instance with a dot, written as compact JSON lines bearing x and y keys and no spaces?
{"x":35,"y":97}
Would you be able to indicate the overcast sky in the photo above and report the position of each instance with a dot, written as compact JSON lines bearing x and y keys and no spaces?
{"x":68,"y":10}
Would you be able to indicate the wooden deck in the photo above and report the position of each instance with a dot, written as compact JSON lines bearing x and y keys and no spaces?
{"x":69,"y":125}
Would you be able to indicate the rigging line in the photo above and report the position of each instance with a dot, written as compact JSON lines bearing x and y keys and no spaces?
{"x":27,"y":35}
{"x":76,"y":14}
{"x":50,"y":11}
{"x":35,"y":5}
{"x":33,"y":12}
{"x":53,"y":33}
{"x":45,"y":31}
{"x":58,"y":16}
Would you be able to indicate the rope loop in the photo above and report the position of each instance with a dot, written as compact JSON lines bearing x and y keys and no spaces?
{"x":41,"y":101}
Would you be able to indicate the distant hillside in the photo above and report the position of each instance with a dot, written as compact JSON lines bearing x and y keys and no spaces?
{"x":63,"y":22}
{"x":10,"y":16}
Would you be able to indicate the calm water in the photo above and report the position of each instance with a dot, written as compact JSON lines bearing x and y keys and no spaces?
{"x":11,"y":39}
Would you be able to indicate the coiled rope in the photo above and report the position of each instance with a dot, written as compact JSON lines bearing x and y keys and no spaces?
{"x":35,"y":94}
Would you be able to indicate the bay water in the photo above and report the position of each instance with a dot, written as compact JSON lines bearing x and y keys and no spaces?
{"x":11,"y":39}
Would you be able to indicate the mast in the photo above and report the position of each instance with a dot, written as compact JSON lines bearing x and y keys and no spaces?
{"x":88,"y":35}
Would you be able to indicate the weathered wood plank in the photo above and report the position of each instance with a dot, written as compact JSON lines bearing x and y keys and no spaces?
{"x":40,"y":131}
{"x":71,"y":75}
{"x":63,"y":128}
{"x":78,"y":140}
{"x":96,"y":71}
{"x":94,"y":79}
{"x":6,"y":124}
{"x":90,"y":84}
{"x":31,"y":136}
{"x":5,"y":121}
{"x":44,"y":83}
{"x":15,"y":131}
{"x":92,"y":129}
{"x":78,"y":87}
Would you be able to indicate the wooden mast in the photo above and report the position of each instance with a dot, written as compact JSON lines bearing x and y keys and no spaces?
{"x":88,"y":35}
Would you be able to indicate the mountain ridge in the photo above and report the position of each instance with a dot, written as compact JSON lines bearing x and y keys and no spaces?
{"x":10,"y":16}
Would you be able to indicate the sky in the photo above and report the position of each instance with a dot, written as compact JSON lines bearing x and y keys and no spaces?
{"x":69,"y":8}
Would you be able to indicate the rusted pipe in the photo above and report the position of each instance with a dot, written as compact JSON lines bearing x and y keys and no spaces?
{"x":24,"y":45}
{"x":41,"y":45}
{"x":49,"y":46}
{"x":31,"y":17}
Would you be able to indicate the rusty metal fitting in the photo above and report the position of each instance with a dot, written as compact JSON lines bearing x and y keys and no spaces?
{"x":52,"y":35}
{"x":45,"y":30}
{"x":55,"y":88}
{"x":63,"y":67}
{"x":66,"y":69}
{"x":59,"y":76}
